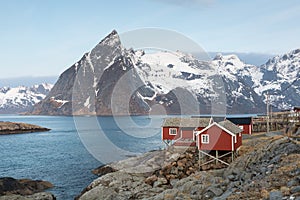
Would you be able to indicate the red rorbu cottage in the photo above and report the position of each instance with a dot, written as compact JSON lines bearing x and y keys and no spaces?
{"x":244,"y":123}
{"x":223,"y":137}
{"x":180,"y":131}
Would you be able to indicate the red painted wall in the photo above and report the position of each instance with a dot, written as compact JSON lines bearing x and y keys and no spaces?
{"x":187,"y":134}
{"x":238,"y":141}
{"x":166,"y":135}
{"x":218,"y":140}
{"x":247,"y":128}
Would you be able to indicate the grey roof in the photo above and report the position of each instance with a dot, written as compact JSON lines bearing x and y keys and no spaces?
{"x":186,"y":122}
{"x":230,"y":126}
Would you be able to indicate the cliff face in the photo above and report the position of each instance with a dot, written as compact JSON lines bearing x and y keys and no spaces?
{"x":267,"y":168}
{"x":87,"y":87}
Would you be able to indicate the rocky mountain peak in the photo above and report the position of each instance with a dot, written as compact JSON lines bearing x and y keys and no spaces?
{"x":111,"y":39}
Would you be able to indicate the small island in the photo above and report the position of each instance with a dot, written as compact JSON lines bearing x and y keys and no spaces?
{"x":17,"y":128}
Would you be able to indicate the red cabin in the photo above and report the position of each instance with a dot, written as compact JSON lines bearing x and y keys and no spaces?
{"x":222,"y":136}
{"x":244,"y":123}
{"x":180,"y":131}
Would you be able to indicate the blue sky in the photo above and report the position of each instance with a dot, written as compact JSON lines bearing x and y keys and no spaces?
{"x":45,"y":37}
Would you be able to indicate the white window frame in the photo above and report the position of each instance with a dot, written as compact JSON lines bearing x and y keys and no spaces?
{"x":172,"y":129}
{"x":241,"y":127}
{"x":205,"y":139}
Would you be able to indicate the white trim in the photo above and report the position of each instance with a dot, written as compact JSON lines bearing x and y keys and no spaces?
{"x":211,"y":120}
{"x":250,"y":129}
{"x":241,"y":127}
{"x":162,"y":133}
{"x":179,"y":137}
{"x":202,"y":139}
{"x":170,"y":130}
{"x":221,"y":127}
{"x":232,"y":144}
{"x":197,"y":143}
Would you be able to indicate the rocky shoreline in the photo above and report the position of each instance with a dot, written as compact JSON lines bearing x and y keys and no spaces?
{"x":266,"y":168}
{"x":17,"y":128}
{"x":24,"y":189}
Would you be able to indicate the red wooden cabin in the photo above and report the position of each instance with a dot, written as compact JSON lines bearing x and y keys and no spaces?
{"x":223,"y":136}
{"x":244,"y":123}
{"x":217,"y":141}
{"x":180,"y":131}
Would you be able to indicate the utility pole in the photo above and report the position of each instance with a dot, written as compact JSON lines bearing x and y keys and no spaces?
{"x":268,"y":114}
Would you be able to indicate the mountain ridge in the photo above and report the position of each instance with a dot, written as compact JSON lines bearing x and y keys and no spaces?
{"x":22,"y":98}
{"x":175,"y":82}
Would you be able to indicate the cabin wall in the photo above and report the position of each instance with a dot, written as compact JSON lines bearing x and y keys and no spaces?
{"x":218,"y":140}
{"x":238,"y":141}
{"x":187,"y":134}
{"x":167,"y":136}
{"x":247,"y":129}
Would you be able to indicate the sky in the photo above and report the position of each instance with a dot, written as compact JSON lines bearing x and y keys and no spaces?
{"x":45,"y":37}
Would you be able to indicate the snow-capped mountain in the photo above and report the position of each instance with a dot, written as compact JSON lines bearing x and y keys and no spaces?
{"x":112,"y":80}
{"x":281,"y":80}
{"x":21,"y":99}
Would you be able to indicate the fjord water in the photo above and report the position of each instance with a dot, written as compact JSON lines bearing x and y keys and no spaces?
{"x":59,"y":156}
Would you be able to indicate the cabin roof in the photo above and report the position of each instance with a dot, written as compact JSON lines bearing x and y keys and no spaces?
{"x":186,"y":122}
{"x":228,"y":125}
{"x":225,"y":125}
{"x":240,"y":120}
{"x":296,"y":107}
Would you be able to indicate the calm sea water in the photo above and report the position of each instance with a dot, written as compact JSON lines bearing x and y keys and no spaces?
{"x":60,"y":156}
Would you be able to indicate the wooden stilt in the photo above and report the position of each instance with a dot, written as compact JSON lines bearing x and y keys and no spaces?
{"x":232,"y":156}
{"x":217,"y":156}
{"x":213,"y":158}
{"x":199,"y":161}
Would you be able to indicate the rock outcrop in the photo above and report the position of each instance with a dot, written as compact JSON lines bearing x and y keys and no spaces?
{"x":24,"y":189}
{"x":267,"y":168}
{"x":16,"y":128}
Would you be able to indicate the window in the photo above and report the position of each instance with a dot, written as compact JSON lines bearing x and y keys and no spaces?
{"x":241,"y":127}
{"x":205,"y":139}
{"x":173,"y":131}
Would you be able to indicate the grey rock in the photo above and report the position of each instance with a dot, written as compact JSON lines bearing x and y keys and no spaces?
{"x":276,"y":195}
{"x":231,"y":177}
{"x":160,"y":181}
{"x":295,"y":189}
{"x":37,"y":196}
{"x":197,"y":190}
{"x":166,"y":195}
{"x":293,"y":182}
{"x":173,"y":182}
{"x":215,"y":190}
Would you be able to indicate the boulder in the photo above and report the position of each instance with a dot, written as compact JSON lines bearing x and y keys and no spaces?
{"x":295,"y":189}
{"x":37,"y":196}
{"x":150,"y":180}
{"x":102,"y":170}
{"x":276,"y":195}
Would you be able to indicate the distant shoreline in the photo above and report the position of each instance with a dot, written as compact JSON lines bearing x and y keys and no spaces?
{"x":8,"y":128}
